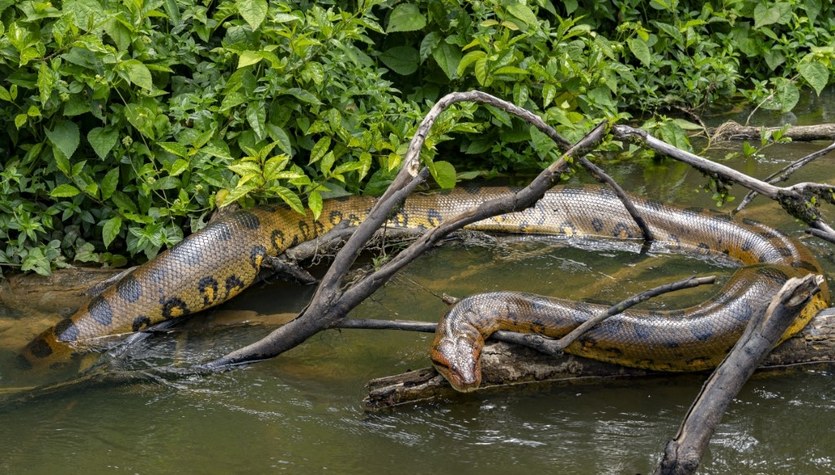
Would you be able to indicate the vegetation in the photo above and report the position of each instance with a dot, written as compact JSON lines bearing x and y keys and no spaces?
{"x":127,"y":121}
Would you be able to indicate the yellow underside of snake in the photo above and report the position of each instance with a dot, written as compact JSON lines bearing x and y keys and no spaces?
{"x":215,"y":264}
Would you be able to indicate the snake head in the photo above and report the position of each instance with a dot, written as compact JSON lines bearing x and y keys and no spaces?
{"x":458,"y":360}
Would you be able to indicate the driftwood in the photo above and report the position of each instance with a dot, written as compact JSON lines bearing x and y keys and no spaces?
{"x":509,"y":365}
{"x":800,"y":133}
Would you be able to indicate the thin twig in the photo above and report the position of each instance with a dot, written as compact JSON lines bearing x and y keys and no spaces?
{"x":601,"y":176}
{"x":784,"y":173}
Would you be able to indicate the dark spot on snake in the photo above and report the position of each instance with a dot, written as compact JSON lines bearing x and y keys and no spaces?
{"x":65,"y":331}
{"x":39,"y":348}
{"x":621,"y":230}
{"x":597,"y":224}
{"x":208,"y":289}
{"x":783,"y":251}
{"x":100,"y":310}
{"x":156,"y":275}
{"x":335,"y":217}
{"x":434,"y":217}
{"x":174,"y":307}
{"x":187,"y":251}
{"x":233,"y":283}
{"x":641,"y":331}
{"x":703,"y":248}
{"x":742,"y":312}
{"x":354,"y":220}
{"x":400,"y":219}
{"x":702,"y":332}
{"x":223,"y":231}
{"x":140,"y":322}
{"x":568,"y":228}
{"x":613,"y":351}
{"x":769,"y":233}
{"x":248,"y":219}
{"x":320,"y":228}
{"x":304,"y":228}
{"x":129,"y":289}
{"x":256,"y":256}
{"x":277,"y":238}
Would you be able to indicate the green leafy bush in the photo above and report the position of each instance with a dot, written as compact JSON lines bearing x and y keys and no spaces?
{"x":128,"y":121}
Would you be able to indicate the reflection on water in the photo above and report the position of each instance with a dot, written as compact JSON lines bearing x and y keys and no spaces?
{"x":301,"y":413}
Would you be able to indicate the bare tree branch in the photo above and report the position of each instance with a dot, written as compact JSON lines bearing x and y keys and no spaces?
{"x":784,"y":173}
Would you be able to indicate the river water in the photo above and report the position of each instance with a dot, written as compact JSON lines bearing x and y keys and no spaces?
{"x":302,"y":412}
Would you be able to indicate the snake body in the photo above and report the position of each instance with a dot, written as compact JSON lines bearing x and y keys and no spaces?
{"x":218,"y":262}
{"x":689,"y":339}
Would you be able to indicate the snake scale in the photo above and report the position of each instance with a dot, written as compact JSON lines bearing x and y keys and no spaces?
{"x":218,"y":262}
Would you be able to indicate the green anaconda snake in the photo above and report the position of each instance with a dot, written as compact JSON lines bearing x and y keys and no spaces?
{"x":215,"y":264}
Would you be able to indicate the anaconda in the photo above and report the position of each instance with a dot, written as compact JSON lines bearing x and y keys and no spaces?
{"x":218,"y":262}
{"x":689,"y":339}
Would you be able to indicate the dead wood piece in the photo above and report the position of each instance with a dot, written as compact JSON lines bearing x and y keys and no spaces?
{"x":799,"y":133}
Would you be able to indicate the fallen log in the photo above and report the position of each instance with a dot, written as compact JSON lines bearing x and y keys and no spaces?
{"x":799,"y":133}
{"x":505,"y":364}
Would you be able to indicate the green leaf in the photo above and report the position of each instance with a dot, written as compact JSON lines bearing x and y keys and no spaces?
{"x":522,"y":12}
{"x":403,"y":60}
{"x":64,"y":191}
{"x":640,"y":49}
{"x":142,"y":118}
{"x":102,"y":140}
{"x":111,"y":229}
{"x":319,"y":149}
{"x":406,"y":17}
{"x":256,"y":116}
{"x":816,"y":74}
{"x":780,"y":12}
{"x":109,"y":183}
{"x":46,"y":82}
{"x":138,"y":73}
{"x":314,"y":202}
{"x":174,"y":148}
{"x":443,"y":173}
{"x":290,"y":198}
{"x":253,"y":11}
{"x":36,"y":261}
{"x":785,"y":96}
{"x":481,"y":72}
{"x":448,"y":57}
{"x":65,"y":136}
{"x":467,"y":60}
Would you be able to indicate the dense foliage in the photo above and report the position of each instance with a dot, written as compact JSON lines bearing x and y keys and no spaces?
{"x":128,"y":120}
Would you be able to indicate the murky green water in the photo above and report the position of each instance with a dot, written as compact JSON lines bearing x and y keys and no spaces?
{"x":301,"y":413}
